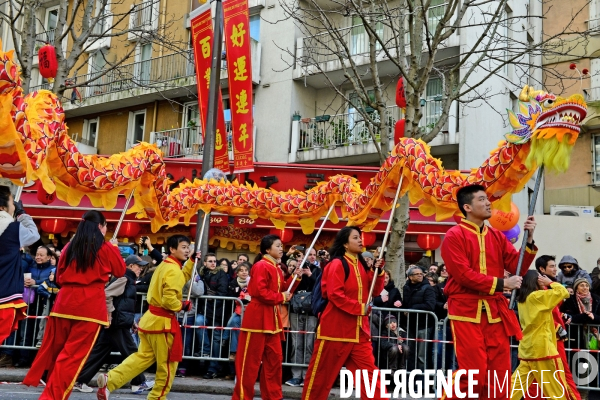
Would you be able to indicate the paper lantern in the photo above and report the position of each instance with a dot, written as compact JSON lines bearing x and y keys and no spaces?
{"x":412,"y":256}
{"x":286,"y":235}
{"x":193,"y":230}
{"x":47,"y":61}
{"x":513,"y":234}
{"x":129,"y":229}
{"x":160,"y":240}
{"x":53,"y":226}
{"x":400,"y":93}
{"x":505,"y":221}
{"x":429,"y":242}
{"x":368,"y":238}
{"x":43,"y":196}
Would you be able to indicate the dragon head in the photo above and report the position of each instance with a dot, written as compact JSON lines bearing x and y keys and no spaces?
{"x":552,"y":125}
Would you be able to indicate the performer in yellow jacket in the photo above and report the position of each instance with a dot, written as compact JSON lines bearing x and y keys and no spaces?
{"x":537,"y":350}
{"x":160,"y":336}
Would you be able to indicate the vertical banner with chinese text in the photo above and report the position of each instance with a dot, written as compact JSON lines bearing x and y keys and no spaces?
{"x":239,"y":74}
{"x":202,"y":39}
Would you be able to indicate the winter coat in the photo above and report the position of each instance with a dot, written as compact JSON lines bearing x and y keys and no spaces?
{"x":577,"y":273}
{"x":393,"y":296}
{"x":418,"y":296}
{"x":216,"y":283}
{"x":577,"y":333}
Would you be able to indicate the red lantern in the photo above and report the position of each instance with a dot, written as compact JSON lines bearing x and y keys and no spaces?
{"x":286,"y":235}
{"x":400,"y":93}
{"x":429,"y":242}
{"x":47,"y":61}
{"x":412,"y":256}
{"x":43,"y":196}
{"x":368,"y":238}
{"x":193,"y":230}
{"x":53,"y":226}
{"x":129,"y":229}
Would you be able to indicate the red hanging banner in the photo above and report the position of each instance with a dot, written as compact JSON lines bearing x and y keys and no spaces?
{"x":202,"y":39}
{"x":239,"y":74}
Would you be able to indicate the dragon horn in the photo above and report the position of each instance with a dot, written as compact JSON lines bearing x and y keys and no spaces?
{"x":524,"y":96}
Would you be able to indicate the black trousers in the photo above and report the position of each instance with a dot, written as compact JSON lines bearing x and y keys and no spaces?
{"x":109,"y":339}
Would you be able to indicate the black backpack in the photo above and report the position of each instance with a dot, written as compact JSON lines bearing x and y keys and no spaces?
{"x":318,"y":301}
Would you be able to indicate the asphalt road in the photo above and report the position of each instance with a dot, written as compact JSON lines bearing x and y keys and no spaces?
{"x":20,"y":392}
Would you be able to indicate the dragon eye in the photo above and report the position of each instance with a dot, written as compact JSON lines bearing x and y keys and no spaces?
{"x":548,"y":103}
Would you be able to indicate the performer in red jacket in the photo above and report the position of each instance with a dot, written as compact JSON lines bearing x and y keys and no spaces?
{"x":261,"y":333}
{"x":344,"y":332}
{"x":476,"y":256}
{"x":80,"y":308}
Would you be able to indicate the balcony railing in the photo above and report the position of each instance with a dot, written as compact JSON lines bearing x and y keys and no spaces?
{"x":45,"y":37}
{"x":322,"y":48}
{"x":332,"y":131}
{"x":141,"y":16}
{"x":139,"y":74}
{"x":179,"y":142}
{"x":183,"y":142}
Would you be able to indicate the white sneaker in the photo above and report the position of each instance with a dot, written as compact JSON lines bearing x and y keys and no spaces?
{"x":103,"y":393}
{"x":82,"y":387}
{"x":147,"y":385}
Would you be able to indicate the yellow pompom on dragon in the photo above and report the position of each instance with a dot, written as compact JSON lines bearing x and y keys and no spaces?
{"x":34,"y":145}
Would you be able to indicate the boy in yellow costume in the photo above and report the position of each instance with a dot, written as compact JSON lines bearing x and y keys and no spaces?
{"x":537,"y":349}
{"x":160,"y":335}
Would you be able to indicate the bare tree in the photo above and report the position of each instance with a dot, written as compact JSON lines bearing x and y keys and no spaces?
{"x":82,"y":27}
{"x":415,"y":36}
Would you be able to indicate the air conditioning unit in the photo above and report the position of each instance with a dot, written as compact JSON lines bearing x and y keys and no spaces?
{"x":573,"y":211}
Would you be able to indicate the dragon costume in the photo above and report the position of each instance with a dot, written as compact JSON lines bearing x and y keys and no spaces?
{"x":34,"y":145}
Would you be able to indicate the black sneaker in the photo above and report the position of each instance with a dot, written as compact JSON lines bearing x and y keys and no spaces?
{"x":209,"y":375}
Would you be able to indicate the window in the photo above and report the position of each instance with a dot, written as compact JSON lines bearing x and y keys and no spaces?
{"x":135,"y":130}
{"x":142,"y":69}
{"x":90,"y":132}
{"x":596,"y":166}
{"x":359,"y":39}
{"x":436,"y":11}
{"x":433,"y":103}
{"x":96,"y":66}
{"x":255,"y":27}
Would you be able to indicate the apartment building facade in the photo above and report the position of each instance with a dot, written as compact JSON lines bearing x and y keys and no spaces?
{"x":152,"y":96}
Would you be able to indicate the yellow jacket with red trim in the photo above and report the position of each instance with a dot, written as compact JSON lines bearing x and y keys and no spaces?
{"x":475,"y":260}
{"x":165,"y":291}
{"x":537,"y":320}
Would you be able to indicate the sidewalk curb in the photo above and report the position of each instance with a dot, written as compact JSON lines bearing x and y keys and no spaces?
{"x":186,"y":385}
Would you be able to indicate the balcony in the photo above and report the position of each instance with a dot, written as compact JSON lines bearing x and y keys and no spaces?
{"x":169,"y":76}
{"x":333,"y":138}
{"x":44,"y":37}
{"x":319,"y":53}
{"x":185,"y":142}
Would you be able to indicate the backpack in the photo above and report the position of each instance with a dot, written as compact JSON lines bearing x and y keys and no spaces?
{"x":318,"y":301}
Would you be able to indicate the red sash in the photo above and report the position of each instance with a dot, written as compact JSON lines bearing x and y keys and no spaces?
{"x":176,"y":350}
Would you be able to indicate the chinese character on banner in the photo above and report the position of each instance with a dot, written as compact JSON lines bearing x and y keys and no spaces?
{"x":202,"y":34}
{"x":239,"y":65}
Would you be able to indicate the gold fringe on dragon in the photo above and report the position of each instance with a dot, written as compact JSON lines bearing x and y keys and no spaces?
{"x":34,"y":145}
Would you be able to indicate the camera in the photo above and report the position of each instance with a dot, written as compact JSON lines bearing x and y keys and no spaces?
{"x":562,"y":334}
{"x":321,"y":253}
{"x":306,"y":265}
{"x":143,"y":240}
{"x":300,"y":249}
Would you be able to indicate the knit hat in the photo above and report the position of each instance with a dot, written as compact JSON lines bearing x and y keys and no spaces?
{"x":578,"y":282}
{"x":390,"y":318}
{"x":368,"y":254}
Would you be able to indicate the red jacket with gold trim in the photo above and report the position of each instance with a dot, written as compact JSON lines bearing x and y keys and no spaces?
{"x":266,"y":288}
{"x":475,"y":260}
{"x":344,"y":315}
{"x":81,"y":295}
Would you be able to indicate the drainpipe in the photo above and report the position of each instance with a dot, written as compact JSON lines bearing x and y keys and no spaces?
{"x":154,"y":115}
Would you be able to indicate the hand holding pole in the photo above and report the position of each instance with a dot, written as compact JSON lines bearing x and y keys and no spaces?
{"x":538,"y":181}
